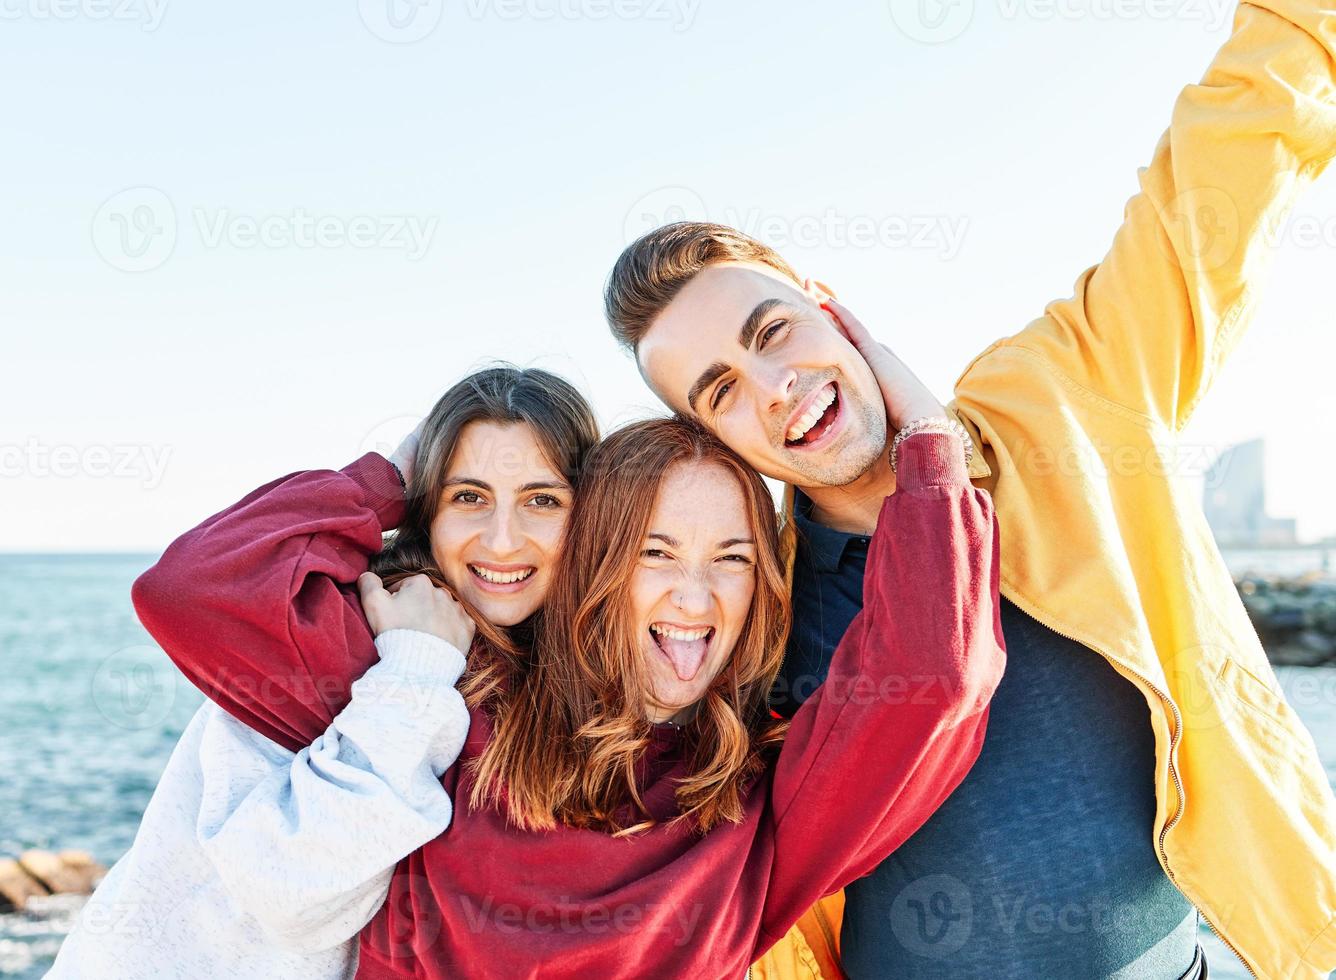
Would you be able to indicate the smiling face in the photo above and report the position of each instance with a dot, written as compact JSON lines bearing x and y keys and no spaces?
{"x":499,"y":525}
{"x":692,"y":590}
{"x":753,"y":356}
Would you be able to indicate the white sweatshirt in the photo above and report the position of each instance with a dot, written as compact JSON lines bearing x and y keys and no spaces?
{"x":251,"y":861}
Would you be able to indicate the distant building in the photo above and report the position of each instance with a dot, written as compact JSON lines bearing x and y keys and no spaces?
{"x":1234,"y":499}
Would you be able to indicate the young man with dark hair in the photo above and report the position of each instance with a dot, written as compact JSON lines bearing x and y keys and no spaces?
{"x":1141,"y":759}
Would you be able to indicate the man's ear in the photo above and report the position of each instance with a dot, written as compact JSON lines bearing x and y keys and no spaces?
{"x":818,"y":290}
{"x":820,"y":293}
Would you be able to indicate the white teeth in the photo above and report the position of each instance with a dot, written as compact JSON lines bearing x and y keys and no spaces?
{"x":673,"y":633}
{"x":817,"y":409}
{"x":501,"y":578}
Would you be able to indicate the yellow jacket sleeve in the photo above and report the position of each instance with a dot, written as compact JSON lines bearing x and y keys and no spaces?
{"x":1148,"y":327}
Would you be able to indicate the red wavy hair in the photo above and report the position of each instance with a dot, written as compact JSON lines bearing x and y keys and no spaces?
{"x":571,"y":727}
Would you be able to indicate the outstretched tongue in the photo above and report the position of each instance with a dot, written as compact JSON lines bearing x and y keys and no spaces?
{"x":686,"y":655}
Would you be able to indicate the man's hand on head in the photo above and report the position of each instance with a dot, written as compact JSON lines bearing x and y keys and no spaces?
{"x":905,"y":396}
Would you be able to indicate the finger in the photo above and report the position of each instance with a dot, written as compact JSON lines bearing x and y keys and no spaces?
{"x":839,"y":323}
{"x":851,"y":326}
{"x":369,"y":584}
{"x":372,"y":594}
{"x":844,"y":321}
{"x":413,"y":583}
{"x":902,"y":366}
{"x":417,"y":583}
{"x":451,"y":601}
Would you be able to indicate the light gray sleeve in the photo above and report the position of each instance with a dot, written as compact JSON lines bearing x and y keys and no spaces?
{"x":307,"y":843}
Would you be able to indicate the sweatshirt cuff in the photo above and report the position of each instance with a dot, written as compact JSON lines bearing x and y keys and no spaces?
{"x":379,"y":482}
{"x":421,"y":655}
{"x":930,"y":459}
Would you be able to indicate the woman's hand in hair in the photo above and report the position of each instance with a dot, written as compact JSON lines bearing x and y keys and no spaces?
{"x":403,"y":456}
{"x":415,"y":604}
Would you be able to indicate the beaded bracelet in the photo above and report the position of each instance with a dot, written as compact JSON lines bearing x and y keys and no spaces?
{"x":933,"y":423}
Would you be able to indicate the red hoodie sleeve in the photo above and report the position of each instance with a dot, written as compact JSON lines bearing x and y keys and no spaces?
{"x":258,"y":605}
{"x":900,"y":718}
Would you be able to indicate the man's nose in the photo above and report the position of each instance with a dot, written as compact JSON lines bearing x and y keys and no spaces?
{"x":776,"y":383}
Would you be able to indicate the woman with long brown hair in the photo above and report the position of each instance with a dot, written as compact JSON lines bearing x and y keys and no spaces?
{"x":627,"y":806}
{"x":266,"y":847}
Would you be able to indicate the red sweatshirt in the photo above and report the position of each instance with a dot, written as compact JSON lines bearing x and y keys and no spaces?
{"x":258,"y":607}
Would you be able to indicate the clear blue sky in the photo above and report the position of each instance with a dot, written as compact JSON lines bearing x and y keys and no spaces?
{"x":358,"y":218}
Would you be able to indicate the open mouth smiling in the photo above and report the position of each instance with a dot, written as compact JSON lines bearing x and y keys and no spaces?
{"x":501,"y":578}
{"x":815,"y":419}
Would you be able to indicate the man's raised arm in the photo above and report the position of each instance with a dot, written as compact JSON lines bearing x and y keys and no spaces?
{"x":1149,"y":326}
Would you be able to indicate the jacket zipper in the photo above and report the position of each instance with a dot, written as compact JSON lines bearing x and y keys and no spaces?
{"x":1173,"y":747}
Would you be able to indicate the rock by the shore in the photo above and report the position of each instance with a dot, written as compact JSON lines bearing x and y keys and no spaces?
{"x":17,"y":886}
{"x":37,"y":874}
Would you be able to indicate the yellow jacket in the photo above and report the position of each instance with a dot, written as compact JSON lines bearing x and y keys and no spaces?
{"x":1076,"y":421}
{"x":808,"y":951}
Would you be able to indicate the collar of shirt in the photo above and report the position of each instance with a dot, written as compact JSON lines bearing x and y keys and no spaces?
{"x":824,"y":546}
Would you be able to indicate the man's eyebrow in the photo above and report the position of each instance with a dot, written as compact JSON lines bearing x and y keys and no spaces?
{"x":745,"y":337}
{"x":754,"y":320}
{"x":708,"y":377}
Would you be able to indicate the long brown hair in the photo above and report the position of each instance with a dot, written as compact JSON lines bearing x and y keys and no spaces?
{"x":565,"y":428}
{"x":570,"y":731}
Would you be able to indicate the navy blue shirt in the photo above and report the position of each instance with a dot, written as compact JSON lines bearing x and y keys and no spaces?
{"x":1042,"y":863}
